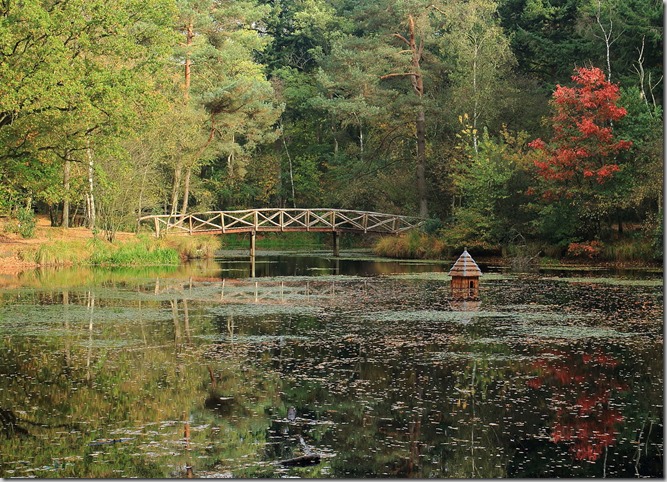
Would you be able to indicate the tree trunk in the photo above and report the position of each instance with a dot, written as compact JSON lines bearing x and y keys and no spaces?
{"x":66,"y":174}
{"x":91,"y":190}
{"x":421,"y":162}
{"x":417,"y":81}
{"x":289,"y":160}
{"x":186,"y":191}
{"x":189,"y":35}
{"x":475,"y":112}
{"x":140,"y":207}
{"x":178,"y":171}
{"x":607,"y":36}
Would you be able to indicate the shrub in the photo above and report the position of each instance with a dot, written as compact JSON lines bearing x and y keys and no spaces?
{"x":590,"y":250}
{"x":638,"y":249}
{"x":24,"y":223}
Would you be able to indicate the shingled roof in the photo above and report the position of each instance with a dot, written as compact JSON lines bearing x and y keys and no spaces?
{"x":465,"y":266}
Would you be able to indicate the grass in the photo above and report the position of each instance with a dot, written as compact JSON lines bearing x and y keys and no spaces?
{"x":626,"y":250}
{"x":195,"y":247}
{"x":413,"y":245}
{"x":57,"y":253}
{"x":143,"y":251}
{"x":139,"y":251}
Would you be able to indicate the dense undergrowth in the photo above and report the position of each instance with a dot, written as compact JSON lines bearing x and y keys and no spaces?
{"x":419,"y":245}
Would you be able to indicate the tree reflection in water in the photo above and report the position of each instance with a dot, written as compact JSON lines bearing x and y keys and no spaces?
{"x":582,"y":389}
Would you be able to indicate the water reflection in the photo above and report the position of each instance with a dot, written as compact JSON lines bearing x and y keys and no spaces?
{"x":266,"y":264}
{"x":189,"y":374}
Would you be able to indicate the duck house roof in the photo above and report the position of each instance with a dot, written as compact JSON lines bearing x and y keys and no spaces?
{"x":465,"y":267}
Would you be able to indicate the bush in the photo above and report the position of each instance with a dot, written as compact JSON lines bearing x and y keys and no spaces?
{"x":590,"y":250}
{"x":27,"y":223}
{"x":24,"y":223}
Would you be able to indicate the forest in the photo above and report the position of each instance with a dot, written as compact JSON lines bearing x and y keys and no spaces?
{"x":505,"y":123}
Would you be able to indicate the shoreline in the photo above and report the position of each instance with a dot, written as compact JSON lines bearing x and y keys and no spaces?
{"x":12,"y":264}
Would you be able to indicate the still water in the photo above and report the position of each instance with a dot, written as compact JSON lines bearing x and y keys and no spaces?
{"x":319,"y":367}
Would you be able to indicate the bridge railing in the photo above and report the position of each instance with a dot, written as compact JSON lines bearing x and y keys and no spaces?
{"x":290,"y":219}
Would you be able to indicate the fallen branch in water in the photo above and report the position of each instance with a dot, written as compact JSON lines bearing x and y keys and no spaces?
{"x":309,"y":459}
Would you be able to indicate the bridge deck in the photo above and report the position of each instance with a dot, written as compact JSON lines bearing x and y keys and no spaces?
{"x":282,"y":220}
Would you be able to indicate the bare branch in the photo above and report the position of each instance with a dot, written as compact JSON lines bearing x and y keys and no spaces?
{"x":400,"y":74}
{"x":399,"y":36}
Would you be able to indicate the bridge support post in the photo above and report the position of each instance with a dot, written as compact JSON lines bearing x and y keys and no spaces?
{"x":253,"y":241}
{"x":336,"y":244}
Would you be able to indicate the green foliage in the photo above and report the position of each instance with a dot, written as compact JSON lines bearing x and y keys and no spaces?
{"x":26,"y":222}
{"x":77,"y":73}
{"x":486,"y":177}
{"x":23,"y":223}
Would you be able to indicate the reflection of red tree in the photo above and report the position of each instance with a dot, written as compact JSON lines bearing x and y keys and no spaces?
{"x":581,"y":388}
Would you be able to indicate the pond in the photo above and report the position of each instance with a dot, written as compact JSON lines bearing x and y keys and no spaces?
{"x":322,"y":367}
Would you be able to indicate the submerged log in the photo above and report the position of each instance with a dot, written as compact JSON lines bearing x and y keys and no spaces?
{"x":308,"y":459}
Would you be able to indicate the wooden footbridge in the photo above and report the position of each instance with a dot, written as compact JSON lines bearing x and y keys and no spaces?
{"x":253,"y":221}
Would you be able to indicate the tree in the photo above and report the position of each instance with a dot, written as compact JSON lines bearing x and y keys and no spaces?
{"x":222,"y":79}
{"x":583,"y":147}
{"x":73,"y":75}
{"x":415,"y":47}
{"x":481,"y":61}
{"x":582,"y":156}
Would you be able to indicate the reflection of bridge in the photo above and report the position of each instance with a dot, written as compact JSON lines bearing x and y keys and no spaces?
{"x":282,"y":220}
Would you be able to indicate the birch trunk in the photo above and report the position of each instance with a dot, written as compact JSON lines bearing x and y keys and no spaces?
{"x":66,"y":175}
{"x":91,"y":188}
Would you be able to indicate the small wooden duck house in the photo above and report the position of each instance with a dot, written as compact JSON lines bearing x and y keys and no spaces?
{"x":465,"y":277}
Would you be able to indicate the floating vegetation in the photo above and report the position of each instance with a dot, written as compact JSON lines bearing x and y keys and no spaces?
{"x":614,"y":281}
{"x":262,"y":310}
{"x":570,"y":332}
{"x":481,"y":356}
{"x":430,"y":315}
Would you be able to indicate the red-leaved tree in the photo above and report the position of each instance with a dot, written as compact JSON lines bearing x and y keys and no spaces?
{"x":583,"y":147}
